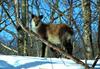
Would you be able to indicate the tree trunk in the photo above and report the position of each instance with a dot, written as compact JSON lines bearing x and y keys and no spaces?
{"x":19,"y":41}
{"x":87,"y":28}
{"x":22,"y":35}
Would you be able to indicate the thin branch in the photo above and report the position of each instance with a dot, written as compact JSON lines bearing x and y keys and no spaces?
{"x":12,"y":33}
{"x":1,"y":22}
{"x":8,"y":15}
{"x":96,"y":60}
{"x":4,"y":27}
{"x":9,"y":48}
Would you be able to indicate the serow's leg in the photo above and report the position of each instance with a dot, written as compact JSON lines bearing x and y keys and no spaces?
{"x":43,"y":50}
{"x":69,"y":48}
{"x":56,"y":53}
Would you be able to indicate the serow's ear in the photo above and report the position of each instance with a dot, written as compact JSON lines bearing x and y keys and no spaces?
{"x":41,"y":16}
{"x":33,"y":15}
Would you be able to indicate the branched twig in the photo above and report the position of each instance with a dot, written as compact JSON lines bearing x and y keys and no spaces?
{"x":8,"y":15}
{"x":9,"y":48}
{"x":4,"y":27}
{"x":53,"y":46}
{"x":11,"y":32}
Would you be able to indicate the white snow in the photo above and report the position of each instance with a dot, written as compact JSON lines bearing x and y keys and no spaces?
{"x":25,"y":62}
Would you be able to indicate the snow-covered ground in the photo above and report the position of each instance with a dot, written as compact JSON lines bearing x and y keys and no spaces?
{"x":19,"y":62}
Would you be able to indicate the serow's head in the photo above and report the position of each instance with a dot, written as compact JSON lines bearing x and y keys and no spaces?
{"x":36,"y":19}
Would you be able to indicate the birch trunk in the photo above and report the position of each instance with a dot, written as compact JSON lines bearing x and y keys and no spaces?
{"x":87,"y":28}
